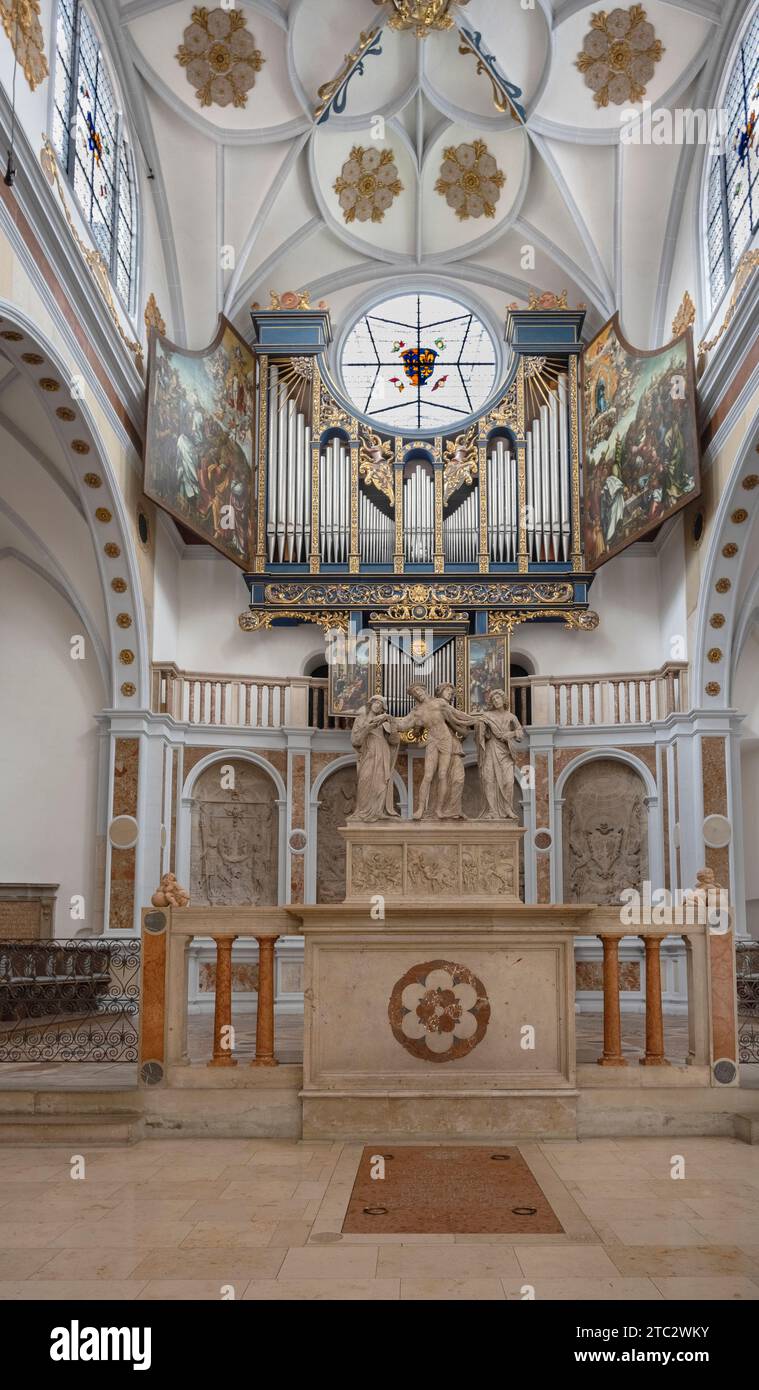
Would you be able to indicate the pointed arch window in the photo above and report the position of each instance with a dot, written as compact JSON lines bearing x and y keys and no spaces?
{"x":732,"y":195}
{"x":89,"y":138}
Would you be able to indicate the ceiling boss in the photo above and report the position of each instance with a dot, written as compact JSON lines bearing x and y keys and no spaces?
{"x":421,"y":16}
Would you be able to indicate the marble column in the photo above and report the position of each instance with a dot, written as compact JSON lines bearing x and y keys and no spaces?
{"x":612,"y":1053}
{"x":654,"y":1056}
{"x":265,"y":1017}
{"x":222,"y":1014}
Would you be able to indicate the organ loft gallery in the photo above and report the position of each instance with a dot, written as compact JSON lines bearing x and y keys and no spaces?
{"x":379,"y":617}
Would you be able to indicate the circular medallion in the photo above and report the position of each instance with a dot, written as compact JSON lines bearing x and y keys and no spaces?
{"x":103,"y":514}
{"x":128,"y":689}
{"x":722,"y":586}
{"x":93,"y":480}
{"x":739,"y":516}
{"x":717,"y":620}
{"x":729,"y":550}
{"x":123,"y":620}
{"x":49,"y":383}
{"x":112,"y":550}
{"x":35,"y":359}
{"x":64,"y":412}
{"x":712,"y":687}
{"x":298,"y":839}
{"x":750,"y":481}
{"x":119,"y":585}
{"x":439,"y":1011}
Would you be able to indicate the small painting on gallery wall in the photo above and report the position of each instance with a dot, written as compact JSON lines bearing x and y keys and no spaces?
{"x":487,"y":670}
{"x":199,"y":438}
{"x":351,"y":675}
{"x":641,"y":439}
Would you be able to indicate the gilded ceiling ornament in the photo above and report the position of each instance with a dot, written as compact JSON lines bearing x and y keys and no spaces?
{"x":220,"y":56}
{"x":21,"y":22}
{"x":367,"y":184}
{"x":459,"y":462}
{"x":685,"y":316}
{"x":152,"y":316}
{"x":619,"y":55}
{"x":423,"y":17}
{"x":375,"y":462}
{"x":712,"y":688}
{"x":470,"y":180}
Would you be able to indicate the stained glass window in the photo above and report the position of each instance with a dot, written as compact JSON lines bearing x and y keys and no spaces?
{"x":419,"y":362}
{"x":732,"y":207}
{"x":89,"y":139}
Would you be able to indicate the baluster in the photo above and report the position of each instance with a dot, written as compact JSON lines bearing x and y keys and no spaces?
{"x":270,"y":707}
{"x":265,"y":1016}
{"x":654,"y":1021}
{"x":222,"y":1013}
{"x":191,"y":710}
{"x":259,"y":705}
{"x":612,"y":1053}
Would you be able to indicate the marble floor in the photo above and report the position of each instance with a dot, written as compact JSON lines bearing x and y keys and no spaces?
{"x":261,"y":1219}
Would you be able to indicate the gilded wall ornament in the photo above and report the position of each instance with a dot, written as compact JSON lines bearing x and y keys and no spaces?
{"x":375,"y":462}
{"x":619,"y":55}
{"x":290,"y":299}
{"x":685,"y":316}
{"x":220,"y":56}
{"x":21,"y":22}
{"x":421,"y":17}
{"x":367,"y":184}
{"x":459,"y":462}
{"x":153,"y":317}
{"x":546,"y":299}
{"x":470,"y":180}
{"x":254,"y":620}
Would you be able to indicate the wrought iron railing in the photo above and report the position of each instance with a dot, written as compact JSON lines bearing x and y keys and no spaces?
{"x":747,"y":981}
{"x":69,"y":1001}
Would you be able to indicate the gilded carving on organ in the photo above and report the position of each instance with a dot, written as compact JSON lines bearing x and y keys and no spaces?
{"x":234,"y":850}
{"x":605,"y":833}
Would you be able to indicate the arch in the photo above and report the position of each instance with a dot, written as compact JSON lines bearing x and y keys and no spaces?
{"x":651,"y":802}
{"x":184,"y":820}
{"x":338,"y":764}
{"x":712,"y":673}
{"x":100,"y":499}
{"x":55,"y":577}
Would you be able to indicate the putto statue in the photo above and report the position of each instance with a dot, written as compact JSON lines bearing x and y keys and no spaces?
{"x":375,"y":738}
{"x":444,"y":758}
{"x":497,"y":731}
{"x":170,"y":893}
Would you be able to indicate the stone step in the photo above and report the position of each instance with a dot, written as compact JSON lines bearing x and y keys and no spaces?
{"x":747,"y":1128}
{"x":76,"y":1129}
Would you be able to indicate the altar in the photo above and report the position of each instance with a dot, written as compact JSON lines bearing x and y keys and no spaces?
{"x":440,"y":1020}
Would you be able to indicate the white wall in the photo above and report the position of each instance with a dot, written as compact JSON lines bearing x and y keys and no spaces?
{"x":49,"y":748}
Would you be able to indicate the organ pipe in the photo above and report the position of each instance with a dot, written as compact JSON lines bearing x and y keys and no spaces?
{"x":288,"y":492}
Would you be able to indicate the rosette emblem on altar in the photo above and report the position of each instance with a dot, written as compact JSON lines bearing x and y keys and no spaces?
{"x":419,"y":364}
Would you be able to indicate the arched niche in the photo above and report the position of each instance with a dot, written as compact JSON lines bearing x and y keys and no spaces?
{"x":604,"y":831}
{"x":234,"y":836}
{"x":337,"y":800}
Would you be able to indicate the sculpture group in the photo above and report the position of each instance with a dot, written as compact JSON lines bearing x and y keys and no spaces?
{"x":376,"y":737}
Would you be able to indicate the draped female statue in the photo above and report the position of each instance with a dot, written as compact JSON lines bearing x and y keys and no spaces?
{"x":497,"y":733}
{"x":376,"y":741}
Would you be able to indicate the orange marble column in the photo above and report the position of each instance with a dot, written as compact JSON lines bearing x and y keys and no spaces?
{"x":153,"y":995}
{"x":612,"y":1053}
{"x":265,"y":1017}
{"x":222,"y":1014}
{"x":654,"y":1022}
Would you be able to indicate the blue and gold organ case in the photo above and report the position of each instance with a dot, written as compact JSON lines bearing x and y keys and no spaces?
{"x":424,"y":540}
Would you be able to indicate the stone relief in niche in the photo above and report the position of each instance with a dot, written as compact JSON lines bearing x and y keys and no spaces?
{"x":234,"y":848}
{"x":337,"y":798}
{"x":605,"y":833}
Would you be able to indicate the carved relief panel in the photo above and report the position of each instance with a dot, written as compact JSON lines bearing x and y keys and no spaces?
{"x":234,"y":850}
{"x":337,"y":799}
{"x":472,"y":806}
{"x":605,"y":832}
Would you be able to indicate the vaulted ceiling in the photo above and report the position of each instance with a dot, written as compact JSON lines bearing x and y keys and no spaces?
{"x":244,"y":197}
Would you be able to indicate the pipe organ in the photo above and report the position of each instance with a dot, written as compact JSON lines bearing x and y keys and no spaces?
{"x":503,"y":503}
{"x":334,"y":502}
{"x":288,"y":510}
{"x":400,"y":667}
{"x":419,"y":516}
{"x":361,"y":525}
{"x":548,"y":477}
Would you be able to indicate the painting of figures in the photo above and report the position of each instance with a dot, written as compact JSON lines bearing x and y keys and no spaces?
{"x":641,"y":440}
{"x":351,"y":672}
{"x":488,"y":670}
{"x":199,"y":439}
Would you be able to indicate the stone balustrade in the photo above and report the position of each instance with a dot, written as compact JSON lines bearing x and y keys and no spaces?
{"x":265,"y":702}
